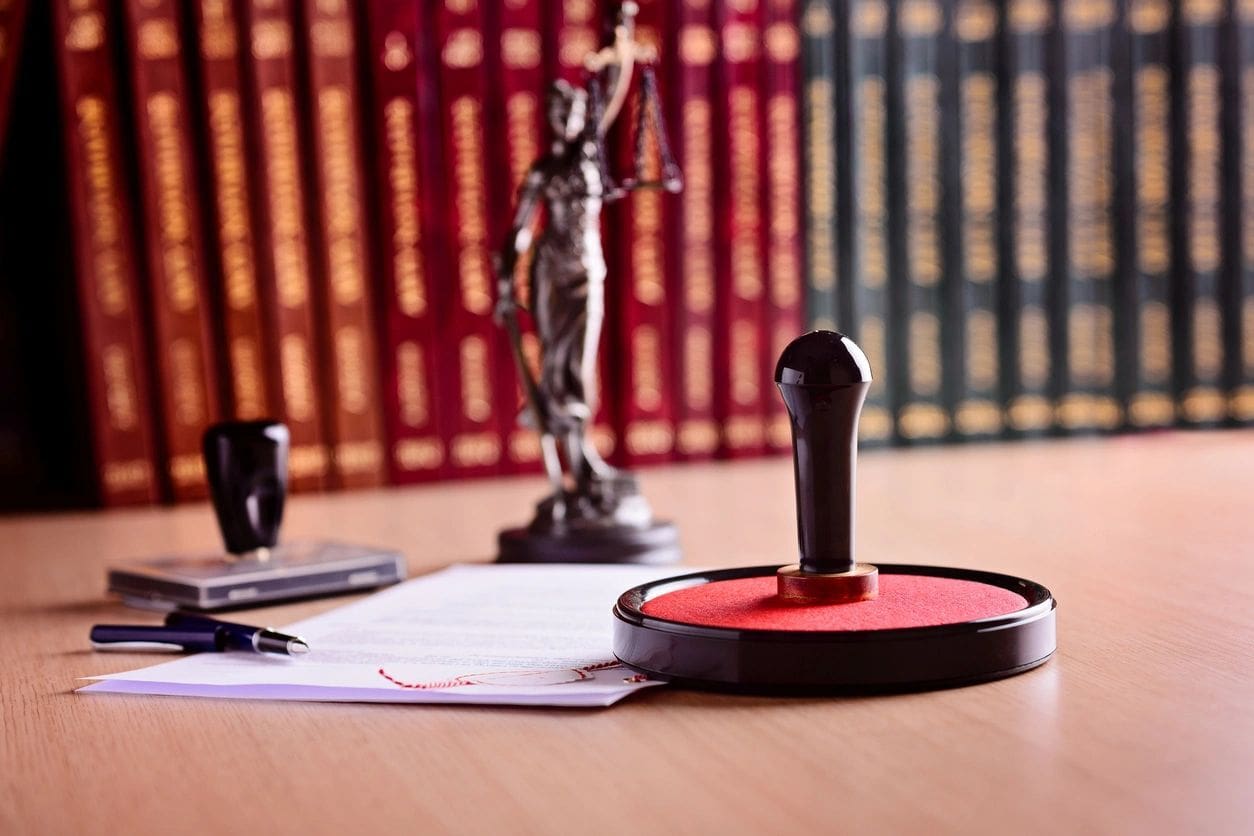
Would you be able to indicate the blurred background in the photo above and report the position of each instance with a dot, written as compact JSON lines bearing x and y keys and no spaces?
{"x":1035,"y":216}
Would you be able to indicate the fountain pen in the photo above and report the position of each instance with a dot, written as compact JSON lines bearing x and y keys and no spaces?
{"x":188,"y":632}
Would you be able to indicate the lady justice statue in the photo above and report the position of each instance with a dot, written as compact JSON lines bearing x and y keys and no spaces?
{"x":595,"y":513}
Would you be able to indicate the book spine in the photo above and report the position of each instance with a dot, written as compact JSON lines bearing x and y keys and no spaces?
{"x":921,"y":413}
{"x":230,"y":181}
{"x":12,"y":26}
{"x":739,"y":387}
{"x":351,"y":379}
{"x":1199,"y":253}
{"x":869,"y":265}
{"x":480,"y":396}
{"x":188,"y":397}
{"x":979,"y":411}
{"x":105,"y":256}
{"x":283,"y":239}
{"x":1241,"y":403}
{"x":819,"y":55}
{"x":405,"y":178}
{"x":515,"y":61}
{"x":697,"y":433}
{"x":782,"y":203}
{"x":640,"y":308}
{"x":1032,"y":25}
{"x":1151,"y":403}
{"x":1088,"y":402}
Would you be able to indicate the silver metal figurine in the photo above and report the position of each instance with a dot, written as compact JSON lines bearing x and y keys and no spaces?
{"x":595,"y":512}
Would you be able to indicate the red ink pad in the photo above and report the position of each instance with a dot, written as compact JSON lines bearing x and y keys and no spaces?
{"x":904,"y":601}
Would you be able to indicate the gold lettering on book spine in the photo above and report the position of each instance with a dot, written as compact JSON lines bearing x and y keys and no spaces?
{"x":186,"y":393}
{"x":296,"y":370}
{"x":411,"y":385}
{"x":979,"y":177}
{"x":1203,"y":155}
{"x":1153,"y":169}
{"x":402,"y":174}
{"x":217,"y":30}
{"x":341,"y":196}
{"x":746,"y":254}
{"x":157,"y":39}
{"x":925,"y":367}
{"x":922,"y":183}
{"x":821,"y":184}
{"x":287,"y":227}
{"x":698,"y":368}
{"x":121,"y":399}
{"x":234,"y":237}
{"x":178,"y":259}
{"x":1031,"y":222}
{"x":109,"y":262}
{"x":745,"y":387}
{"x":869,"y":142}
{"x":350,"y":362}
{"x":1034,"y":362}
{"x":470,"y":202}
{"x":648,"y":279}
{"x":271,"y":39}
{"x":476,"y":390}
{"x":85,"y":31}
{"x":783,"y":224}
{"x":646,"y":367}
{"x":698,"y":219}
{"x":1091,"y":248}
{"x":245,"y":356}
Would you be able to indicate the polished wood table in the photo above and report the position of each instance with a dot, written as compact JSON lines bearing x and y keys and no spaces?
{"x":1143,"y":722}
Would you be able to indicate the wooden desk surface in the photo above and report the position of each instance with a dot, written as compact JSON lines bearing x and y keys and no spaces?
{"x":1143,"y":722}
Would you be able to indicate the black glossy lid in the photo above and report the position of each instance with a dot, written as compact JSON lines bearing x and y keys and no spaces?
{"x":822,"y":358}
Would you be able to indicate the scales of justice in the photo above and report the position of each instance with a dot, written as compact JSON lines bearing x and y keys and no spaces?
{"x":595,"y":513}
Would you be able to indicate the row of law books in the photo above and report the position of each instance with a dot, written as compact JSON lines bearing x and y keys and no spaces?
{"x":1036,"y":216}
{"x":289,"y":209}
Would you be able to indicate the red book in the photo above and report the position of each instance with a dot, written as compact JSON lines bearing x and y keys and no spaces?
{"x":400,"y":102}
{"x":104,"y":255}
{"x":172,"y":224}
{"x":781,"y":172}
{"x":351,"y":379}
{"x":12,"y":24}
{"x":479,"y":387}
{"x":231,"y":183}
{"x":283,"y":237}
{"x":637,"y":282}
{"x":515,"y":60}
{"x":697,"y":435}
{"x":739,"y":386}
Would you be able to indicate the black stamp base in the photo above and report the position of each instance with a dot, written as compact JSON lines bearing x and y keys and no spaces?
{"x":656,"y":545}
{"x":835,"y":662}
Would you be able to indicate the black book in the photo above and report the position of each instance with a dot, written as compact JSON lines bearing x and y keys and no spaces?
{"x":819,"y":56}
{"x":1028,"y":226}
{"x":915,"y":219}
{"x":868,"y":243}
{"x":1241,"y":401}
{"x":1146,"y":254}
{"x":1198,"y":253}
{"x":1086,"y":292}
{"x":976,"y":169}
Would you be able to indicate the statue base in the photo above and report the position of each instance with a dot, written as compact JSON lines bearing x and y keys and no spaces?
{"x":655,"y":544}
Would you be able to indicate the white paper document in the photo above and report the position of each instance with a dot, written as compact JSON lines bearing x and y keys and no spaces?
{"x":497,"y":635}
